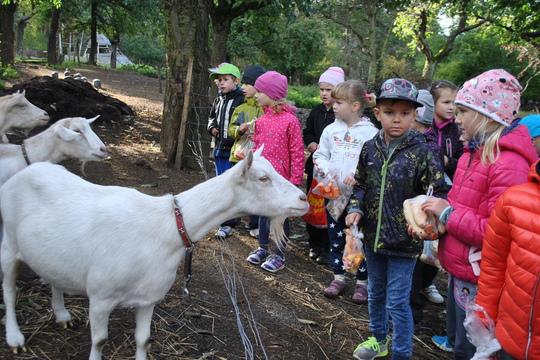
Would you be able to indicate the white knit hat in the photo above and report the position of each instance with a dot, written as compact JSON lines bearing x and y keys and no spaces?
{"x":333,"y":76}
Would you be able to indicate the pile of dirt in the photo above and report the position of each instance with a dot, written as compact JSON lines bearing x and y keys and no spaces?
{"x":68,"y":97}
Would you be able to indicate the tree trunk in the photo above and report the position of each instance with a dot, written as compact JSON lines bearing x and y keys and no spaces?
{"x":222,"y":29}
{"x":186,"y":38}
{"x":52,"y":58}
{"x":114,"y":49}
{"x":428,"y":72}
{"x":7,"y":35}
{"x":21,"y":25}
{"x":93,"y":35}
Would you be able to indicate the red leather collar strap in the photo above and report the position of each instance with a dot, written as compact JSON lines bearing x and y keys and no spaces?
{"x":182,"y":228}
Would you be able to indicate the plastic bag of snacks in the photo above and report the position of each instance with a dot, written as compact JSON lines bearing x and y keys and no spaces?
{"x":328,"y":188}
{"x":430,"y":254}
{"x":354,"y":249}
{"x":336,"y":206}
{"x":426,"y":225}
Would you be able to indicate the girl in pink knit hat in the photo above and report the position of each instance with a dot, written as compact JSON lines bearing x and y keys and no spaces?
{"x":498,"y":155}
{"x":280,"y":133}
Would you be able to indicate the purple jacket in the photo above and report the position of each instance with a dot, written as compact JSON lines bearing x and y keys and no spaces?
{"x":448,"y":135}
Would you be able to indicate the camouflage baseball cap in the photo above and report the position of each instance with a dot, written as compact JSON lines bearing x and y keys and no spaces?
{"x":399,"y":89}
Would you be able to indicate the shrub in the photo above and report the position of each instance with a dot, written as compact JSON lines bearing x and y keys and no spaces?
{"x":8,"y":73}
{"x":304,"y":96}
{"x":2,"y":85}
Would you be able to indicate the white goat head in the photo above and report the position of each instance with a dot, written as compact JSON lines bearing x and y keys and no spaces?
{"x":79,"y":140}
{"x":17,"y":112}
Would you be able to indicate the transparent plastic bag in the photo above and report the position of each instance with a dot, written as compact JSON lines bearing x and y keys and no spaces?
{"x":480,"y":331}
{"x":426,"y":225}
{"x":336,"y":206}
{"x":430,"y":254}
{"x":327,"y":187}
{"x":354,"y":249}
{"x":245,"y":144}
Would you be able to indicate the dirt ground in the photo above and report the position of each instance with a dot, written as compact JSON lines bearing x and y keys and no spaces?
{"x":235,"y":310}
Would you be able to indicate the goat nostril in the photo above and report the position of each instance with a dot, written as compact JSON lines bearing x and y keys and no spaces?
{"x":303,"y":197}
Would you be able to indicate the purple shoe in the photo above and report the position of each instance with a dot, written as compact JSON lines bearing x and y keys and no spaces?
{"x":360,"y":294}
{"x":335,"y":288}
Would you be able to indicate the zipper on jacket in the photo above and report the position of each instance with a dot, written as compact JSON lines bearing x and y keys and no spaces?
{"x":531,"y":312}
{"x":384,"y":170}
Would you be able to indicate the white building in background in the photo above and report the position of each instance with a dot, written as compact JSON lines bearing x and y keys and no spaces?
{"x":103,"y":55}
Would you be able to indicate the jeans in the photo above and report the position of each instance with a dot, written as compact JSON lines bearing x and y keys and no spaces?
{"x":264,"y":234}
{"x":389,"y":286}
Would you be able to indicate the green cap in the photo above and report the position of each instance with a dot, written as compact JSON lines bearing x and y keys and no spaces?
{"x":227,"y":69}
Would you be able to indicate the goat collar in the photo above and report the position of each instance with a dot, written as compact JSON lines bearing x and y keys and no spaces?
{"x":25,"y":155}
{"x":181,"y":228}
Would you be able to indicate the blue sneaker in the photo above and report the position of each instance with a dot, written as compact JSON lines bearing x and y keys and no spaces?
{"x":274,"y":263}
{"x":442,"y":343}
{"x":257,"y":256}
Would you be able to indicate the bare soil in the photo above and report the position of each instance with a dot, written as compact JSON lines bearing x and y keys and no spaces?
{"x":282,"y":315}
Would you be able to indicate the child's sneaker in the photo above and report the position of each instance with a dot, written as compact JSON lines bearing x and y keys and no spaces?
{"x":274,"y":263}
{"x":370,"y":349}
{"x":432,"y":294}
{"x":223,"y":232}
{"x":258,"y":255}
{"x":254,"y":233}
{"x":442,"y":343}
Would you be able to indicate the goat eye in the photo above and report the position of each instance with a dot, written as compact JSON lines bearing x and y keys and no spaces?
{"x":264,"y":178}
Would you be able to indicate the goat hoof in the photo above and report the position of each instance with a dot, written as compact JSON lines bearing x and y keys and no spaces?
{"x":15,"y":349}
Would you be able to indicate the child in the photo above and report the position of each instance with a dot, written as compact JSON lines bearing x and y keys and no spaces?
{"x":280,"y":133}
{"x":339,"y":148}
{"x":446,"y":132}
{"x":242,"y":115}
{"x":498,"y":155}
{"x":320,"y":117}
{"x":394,"y":166}
{"x":230,"y":96}
{"x":508,"y":284}
{"x":424,"y":274}
{"x":532,"y":122}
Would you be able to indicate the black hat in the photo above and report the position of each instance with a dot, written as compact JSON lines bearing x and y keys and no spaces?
{"x":251,"y":73}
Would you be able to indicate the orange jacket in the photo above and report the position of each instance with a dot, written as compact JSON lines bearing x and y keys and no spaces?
{"x":509,"y":285}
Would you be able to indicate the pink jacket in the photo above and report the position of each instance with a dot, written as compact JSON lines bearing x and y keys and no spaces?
{"x":281,"y":135}
{"x":474,"y":192}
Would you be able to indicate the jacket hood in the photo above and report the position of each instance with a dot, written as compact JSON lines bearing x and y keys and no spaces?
{"x":534,"y":172}
{"x":519,"y":141}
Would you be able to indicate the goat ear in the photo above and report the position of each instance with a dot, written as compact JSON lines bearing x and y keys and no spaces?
{"x":92,"y":119}
{"x":246,"y":166}
{"x":259,"y":150}
{"x":65,"y":133}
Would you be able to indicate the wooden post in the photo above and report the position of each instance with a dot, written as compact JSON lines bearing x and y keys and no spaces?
{"x":183,"y":120}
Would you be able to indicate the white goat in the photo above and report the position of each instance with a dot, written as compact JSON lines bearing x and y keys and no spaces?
{"x":16,"y":111}
{"x":118,"y":246}
{"x":66,"y":138}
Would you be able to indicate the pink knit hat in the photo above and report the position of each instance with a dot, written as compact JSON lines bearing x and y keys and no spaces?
{"x":333,"y":76}
{"x":495,"y":93}
{"x":272,"y":84}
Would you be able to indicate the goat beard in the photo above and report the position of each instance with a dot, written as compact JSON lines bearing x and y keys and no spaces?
{"x":276,"y":228}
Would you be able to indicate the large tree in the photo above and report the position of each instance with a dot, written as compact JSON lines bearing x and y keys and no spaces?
{"x":187,"y":24}
{"x":422,"y":17}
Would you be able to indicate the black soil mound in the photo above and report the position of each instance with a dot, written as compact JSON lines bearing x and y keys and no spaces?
{"x":69,"y":97}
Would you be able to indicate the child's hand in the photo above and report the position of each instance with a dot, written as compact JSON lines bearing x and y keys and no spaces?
{"x":215,"y":131}
{"x":435,"y":206}
{"x":312,"y":147}
{"x":250,"y":135}
{"x":353,"y":219}
{"x":349,"y":180}
{"x":243,"y":128}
